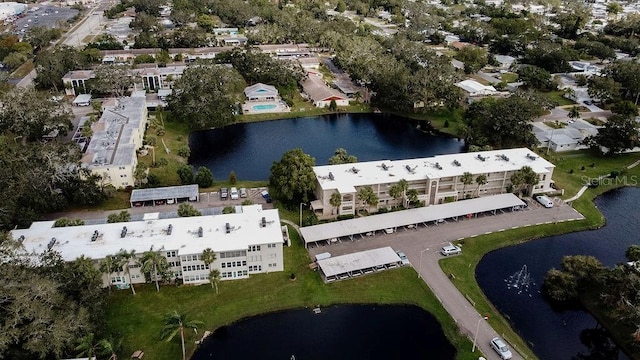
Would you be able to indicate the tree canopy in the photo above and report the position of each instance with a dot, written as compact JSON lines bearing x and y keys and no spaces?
{"x":292,"y":179}
{"x":206,"y":95}
{"x":46,"y":304}
{"x":494,"y":122}
{"x":619,"y":133}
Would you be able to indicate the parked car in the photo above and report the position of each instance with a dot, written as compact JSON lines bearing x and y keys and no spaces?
{"x":403,"y":257}
{"x":545,"y":201}
{"x":243,"y":192}
{"x":234,"y":194}
{"x":266,"y":196}
{"x":224,"y":193}
{"x":450,"y":250}
{"x":501,"y":348}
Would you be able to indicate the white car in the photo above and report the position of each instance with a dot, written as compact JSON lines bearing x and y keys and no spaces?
{"x":450,"y":250}
{"x":243,"y":192}
{"x":403,"y":257}
{"x":234,"y":194}
{"x":501,"y":348}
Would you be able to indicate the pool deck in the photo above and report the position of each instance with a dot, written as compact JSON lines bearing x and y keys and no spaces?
{"x":280,"y":107}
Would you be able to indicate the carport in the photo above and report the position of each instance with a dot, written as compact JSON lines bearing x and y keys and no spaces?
{"x":359,"y":263}
{"x":368,"y":225}
{"x":162,"y":195}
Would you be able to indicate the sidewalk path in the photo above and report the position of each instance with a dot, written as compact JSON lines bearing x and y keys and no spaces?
{"x":585,"y":187}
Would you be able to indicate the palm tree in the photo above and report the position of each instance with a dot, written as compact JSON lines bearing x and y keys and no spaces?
{"x":336,"y":200}
{"x":174,"y":324}
{"x":208,"y":257}
{"x":480,"y":180}
{"x":574,"y":113}
{"x":367,"y":196}
{"x":155,"y":263}
{"x":108,"y":267}
{"x":110,"y":347}
{"x":124,"y":257}
{"x":467,"y":179}
{"x":87,"y":346}
{"x":214,"y":278}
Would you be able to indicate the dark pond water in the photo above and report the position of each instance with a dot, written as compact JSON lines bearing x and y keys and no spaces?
{"x":557,"y":334}
{"x":340,"y":332}
{"x":251,"y":149}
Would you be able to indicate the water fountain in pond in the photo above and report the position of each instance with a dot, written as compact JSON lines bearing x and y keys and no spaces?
{"x":520,"y":281}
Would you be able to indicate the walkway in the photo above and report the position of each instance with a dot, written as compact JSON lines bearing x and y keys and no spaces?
{"x":585,"y":187}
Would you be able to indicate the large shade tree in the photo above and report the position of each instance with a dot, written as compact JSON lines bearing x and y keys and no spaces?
{"x":206,"y":95}
{"x":292,"y":179}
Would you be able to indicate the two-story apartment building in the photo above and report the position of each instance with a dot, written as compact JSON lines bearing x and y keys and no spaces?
{"x":436,"y":179}
{"x":117,"y":135}
{"x":245,"y":243}
{"x":150,"y":78}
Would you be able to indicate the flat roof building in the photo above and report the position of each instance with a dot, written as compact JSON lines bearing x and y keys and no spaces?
{"x":245,"y":243}
{"x":117,"y":135}
{"x":436,"y":179}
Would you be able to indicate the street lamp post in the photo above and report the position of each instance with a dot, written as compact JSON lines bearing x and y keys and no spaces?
{"x":475,"y":337}
{"x":420,"y":267}
{"x":301,"y":213}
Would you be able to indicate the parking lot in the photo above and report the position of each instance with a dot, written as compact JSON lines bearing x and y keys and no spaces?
{"x":45,"y":16}
{"x":422,"y":246}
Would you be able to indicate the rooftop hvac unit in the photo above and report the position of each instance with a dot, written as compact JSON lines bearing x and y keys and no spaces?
{"x":94,"y":237}
{"x":263,"y":223}
{"x":456,"y":162}
{"x":384,"y":167}
{"x":169,"y":229}
{"x":331,"y":176}
{"x":200,"y":231}
{"x":123,"y":233}
{"x":354,"y":170}
{"x":228,"y":227}
{"x":21,"y":239}
{"x":51,"y":243}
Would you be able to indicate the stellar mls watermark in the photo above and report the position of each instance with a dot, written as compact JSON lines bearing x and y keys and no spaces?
{"x":622,"y":180}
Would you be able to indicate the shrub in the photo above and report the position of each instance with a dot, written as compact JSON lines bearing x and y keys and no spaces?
{"x":186,"y":210}
{"x":184,"y":151}
{"x":614,"y":174}
{"x":228,"y":210}
{"x":63,"y":222}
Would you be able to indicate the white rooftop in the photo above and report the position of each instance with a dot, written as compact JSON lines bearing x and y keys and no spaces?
{"x":357,"y":261}
{"x":394,"y":219}
{"x":474,"y":87}
{"x":82,"y":98}
{"x":345,"y":177}
{"x":74,"y":241}
{"x":112,"y":141}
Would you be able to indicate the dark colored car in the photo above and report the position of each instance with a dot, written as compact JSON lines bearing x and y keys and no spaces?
{"x":224,"y":193}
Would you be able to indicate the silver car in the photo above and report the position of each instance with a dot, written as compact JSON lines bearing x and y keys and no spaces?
{"x":501,"y":348}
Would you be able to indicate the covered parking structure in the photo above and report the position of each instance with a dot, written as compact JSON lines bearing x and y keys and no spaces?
{"x":359,"y":263}
{"x":412,"y":218}
{"x":164,"y":195}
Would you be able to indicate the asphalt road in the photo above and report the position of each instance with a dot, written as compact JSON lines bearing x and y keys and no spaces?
{"x":422,"y":246}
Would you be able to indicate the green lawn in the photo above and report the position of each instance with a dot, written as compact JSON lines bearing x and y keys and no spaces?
{"x":509,"y":77}
{"x":139,"y":319}
{"x":463,"y":267}
{"x":23,"y":70}
{"x":558,"y":98}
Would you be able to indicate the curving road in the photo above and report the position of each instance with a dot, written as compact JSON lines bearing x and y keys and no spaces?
{"x":422,"y":248}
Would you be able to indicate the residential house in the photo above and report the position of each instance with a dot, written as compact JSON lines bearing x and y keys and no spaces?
{"x":567,"y":138}
{"x":320,"y":93}
{"x":474,"y":88}
{"x":245,"y":243}
{"x":436,"y":179}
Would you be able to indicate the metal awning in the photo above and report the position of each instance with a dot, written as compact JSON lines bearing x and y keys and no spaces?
{"x":373,"y":223}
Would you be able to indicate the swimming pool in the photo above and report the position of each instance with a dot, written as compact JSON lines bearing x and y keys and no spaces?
{"x":264,"y":107}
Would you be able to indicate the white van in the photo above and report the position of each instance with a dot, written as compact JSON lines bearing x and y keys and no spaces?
{"x":545,"y":201}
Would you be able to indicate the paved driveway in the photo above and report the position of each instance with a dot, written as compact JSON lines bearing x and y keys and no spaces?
{"x":422,"y":247}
